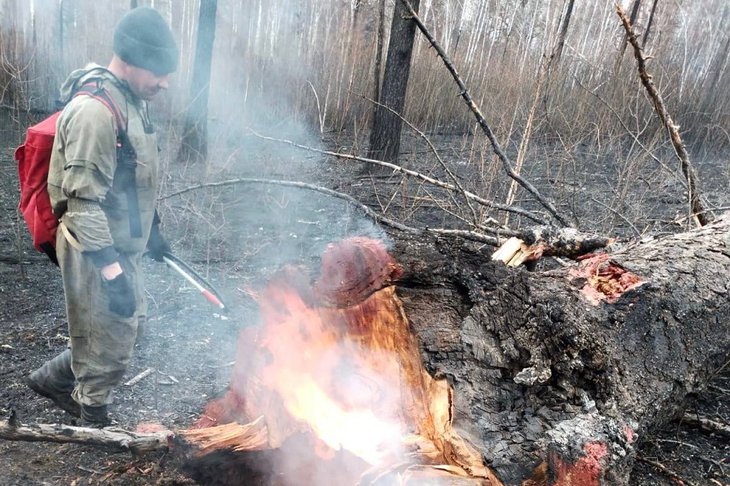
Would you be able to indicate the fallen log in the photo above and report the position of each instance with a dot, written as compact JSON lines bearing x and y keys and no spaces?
{"x":565,"y":369}
{"x":552,"y":376}
{"x":334,"y":375}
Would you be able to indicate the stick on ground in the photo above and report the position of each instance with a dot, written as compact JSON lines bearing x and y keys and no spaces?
{"x":113,"y":438}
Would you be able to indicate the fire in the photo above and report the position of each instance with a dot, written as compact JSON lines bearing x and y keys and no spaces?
{"x":335,"y":362}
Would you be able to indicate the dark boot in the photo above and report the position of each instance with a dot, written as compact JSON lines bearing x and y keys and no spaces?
{"x":95,"y":416}
{"x":55,"y":380}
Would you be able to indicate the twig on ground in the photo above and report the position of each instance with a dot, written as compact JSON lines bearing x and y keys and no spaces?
{"x":674,"y":476}
{"x":417,"y":175}
{"x":693,"y":195}
{"x":678,"y":442}
{"x":506,"y":164}
{"x":705,"y":424}
{"x":723,"y":208}
{"x":225,"y":365}
{"x":139,"y":377}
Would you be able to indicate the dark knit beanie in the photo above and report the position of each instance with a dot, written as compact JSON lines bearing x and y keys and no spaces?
{"x":142,"y":38}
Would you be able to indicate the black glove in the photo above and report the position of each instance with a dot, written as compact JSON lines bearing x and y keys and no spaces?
{"x":121,"y":295}
{"x":157,"y":245}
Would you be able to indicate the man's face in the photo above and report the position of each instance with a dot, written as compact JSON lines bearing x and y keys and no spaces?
{"x":146,"y":84}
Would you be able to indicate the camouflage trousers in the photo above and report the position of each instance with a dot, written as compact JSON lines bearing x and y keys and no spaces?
{"x":101,"y":341}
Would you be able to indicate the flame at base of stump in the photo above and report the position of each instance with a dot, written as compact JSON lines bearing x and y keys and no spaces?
{"x":329,"y":388}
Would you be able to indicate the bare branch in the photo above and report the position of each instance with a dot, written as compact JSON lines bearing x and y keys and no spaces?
{"x":417,"y":175}
{"x":303,"y":185}
{"x":111,"y":437}
{"x":631,"y":133}
{"x":506,"y":164}
{"x":555,"y":241}
{"x":646,"y":79}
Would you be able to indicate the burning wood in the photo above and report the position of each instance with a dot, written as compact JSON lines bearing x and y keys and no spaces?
{"x":248,"y":437}
{"x":334,"y":372}
{"x":603,"y":280}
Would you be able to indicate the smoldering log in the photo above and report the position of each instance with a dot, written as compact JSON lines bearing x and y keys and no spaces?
{"x":550,"y":372}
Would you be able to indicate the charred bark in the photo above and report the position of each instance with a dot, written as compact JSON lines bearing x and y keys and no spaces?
{"x":542,"y":375}
{"x":554,"y":375}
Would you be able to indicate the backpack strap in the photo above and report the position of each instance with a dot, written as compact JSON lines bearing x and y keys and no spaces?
{"x":96,"y":91}
{"x":126,"y":172}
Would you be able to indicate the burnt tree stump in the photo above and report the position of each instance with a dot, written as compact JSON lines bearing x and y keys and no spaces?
{"x":552,"y":385}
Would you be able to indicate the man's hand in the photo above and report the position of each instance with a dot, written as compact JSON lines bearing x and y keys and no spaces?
{"x":121,"y":294}
{"x":157,"y":245}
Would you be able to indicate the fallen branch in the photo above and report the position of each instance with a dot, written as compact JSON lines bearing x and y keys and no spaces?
{"x":506,"y":164}
{"x":705,"y":424}
{"x":398,"y":169}
{"x":554,"y":241}
{"x":377,"y":217}
{"x":674,"y":476}
{"x":646,"y":79}
{"x":114,"y":438}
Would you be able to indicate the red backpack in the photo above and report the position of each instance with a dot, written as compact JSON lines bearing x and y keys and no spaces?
{"x":34,"y":158}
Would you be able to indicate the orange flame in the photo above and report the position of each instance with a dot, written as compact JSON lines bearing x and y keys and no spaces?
{"x":337,"y":361}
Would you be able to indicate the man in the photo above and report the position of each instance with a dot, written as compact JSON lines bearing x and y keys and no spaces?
{"x":103,"y":186}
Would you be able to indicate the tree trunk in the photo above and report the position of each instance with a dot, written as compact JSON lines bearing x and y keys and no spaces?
{"x":195,"y":133}
{"x":385,"y":135}
{"x":649,"y":24}
{"x":564,"y":32}
{"x":554,"y":375}
{"x":541,"y":374}
{"x":379,"y":50}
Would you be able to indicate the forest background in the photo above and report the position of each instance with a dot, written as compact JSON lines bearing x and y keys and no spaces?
{"x":553,"y":77}
{"x":313,"y":63}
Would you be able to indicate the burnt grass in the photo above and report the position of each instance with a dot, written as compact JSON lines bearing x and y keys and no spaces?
{"x":238,"y":237}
